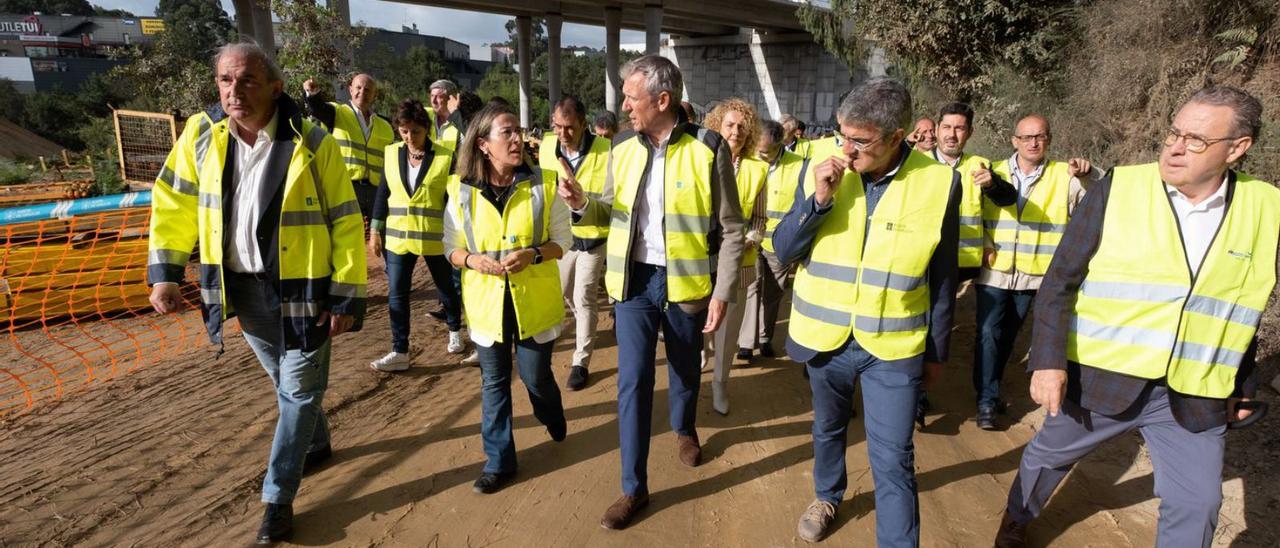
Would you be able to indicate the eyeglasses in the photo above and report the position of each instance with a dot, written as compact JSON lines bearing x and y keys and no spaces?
{"x":858,"y":144}
{"x":1041,"y":137}
{"x":505,"y":134}
{"x":1193,"y":143}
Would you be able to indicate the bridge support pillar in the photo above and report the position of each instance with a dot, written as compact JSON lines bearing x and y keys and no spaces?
{"x":612,"y":34}
{"x":652,"y":29}
{"x":554,"y":22}
{"x":524,"y":29}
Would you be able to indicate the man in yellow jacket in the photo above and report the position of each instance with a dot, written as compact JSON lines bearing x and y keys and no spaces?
{"x":1147,"y":318}
{"x":265,"y":195}
{"x":361,"y":134}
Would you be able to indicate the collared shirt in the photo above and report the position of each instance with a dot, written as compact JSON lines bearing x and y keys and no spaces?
{"x":243,"y":253}
{"x":943,"y":160}
{"x":366,"y":124}
{"x":1024,"y":182}
{"x":650,"y":245}
{"x":575,"y":158}
{"x":1199,"y":222}
{"x":560,"y":234}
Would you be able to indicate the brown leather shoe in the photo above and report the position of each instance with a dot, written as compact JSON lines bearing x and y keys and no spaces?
{"x":690,"y":450}
{"x":1011,"y":534}
{"x":620,"y":513}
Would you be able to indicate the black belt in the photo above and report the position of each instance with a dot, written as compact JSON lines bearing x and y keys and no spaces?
{"x":255,"y":276}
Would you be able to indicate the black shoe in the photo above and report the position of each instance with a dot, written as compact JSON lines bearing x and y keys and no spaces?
{"x":744,"y":354}
{"x":317,"y":457}
{"x":766,"y":351}
{"x":987,"y":417}
{"x":490,"y":483}
{"x":922,"y":408}
{"x":558,"y":431}
{"x":277,"y":524}
{"x":438,"y":314}
{"x":577,"y":378}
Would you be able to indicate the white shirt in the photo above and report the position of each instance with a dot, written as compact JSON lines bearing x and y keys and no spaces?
{"x":243,"y":254}
{"x":365,"y":124}
{"x":561,"y":235}
{"x":413,"y":175}
{"x":650,"y":245}
{"x":943,"y":159}
{"x":1199,"y":222}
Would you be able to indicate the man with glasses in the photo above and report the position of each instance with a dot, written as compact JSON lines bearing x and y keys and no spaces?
{"x":875,"y":230}
{"x":1149,"y":315}
{"x":1019,"y":241}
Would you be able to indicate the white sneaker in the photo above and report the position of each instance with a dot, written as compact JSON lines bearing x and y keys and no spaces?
{"x":456,"y":346}
{"x":473,"y":359}
{"x":395,"y":361}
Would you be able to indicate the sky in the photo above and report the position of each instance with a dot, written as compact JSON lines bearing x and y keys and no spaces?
{"x":472,"y":28}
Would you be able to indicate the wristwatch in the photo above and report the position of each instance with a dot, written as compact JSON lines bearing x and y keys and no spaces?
{"x":537,"y":255}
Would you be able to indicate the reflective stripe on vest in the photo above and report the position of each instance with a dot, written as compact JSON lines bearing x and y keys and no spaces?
{"x":689,"y":163}
{"x":362,"y":156}
{"x":523,"y":223}
{"x":970,"y":211}
{"x":872,"y":284}
{"x":1141,"y":313}
{"x":591,"y":174}
{"x":1026,"y":240}
{"x":415,"y":223}
{"x":781,"y":191}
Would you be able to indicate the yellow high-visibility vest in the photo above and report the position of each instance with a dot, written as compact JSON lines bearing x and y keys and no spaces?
{"x":821,"y":149}
{"x":362,"y":156}
{"x":873,"y":283}
{"x":591,"y":174}
{"x":319,"y":256}
{"x":787,"y":175}
{"x":1140,"y":312}
{"x":449,"y":138}
{"x":1027,"y":241}
{"x":525,"y":222}
{"x":689,"y":163}
{"x":415,"y":222}
{"x":751,"y":177}
{"x":970,"y":211}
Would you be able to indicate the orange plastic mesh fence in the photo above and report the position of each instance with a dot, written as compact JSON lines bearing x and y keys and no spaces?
{"x":75,"y":310}
{"x":145,"y":139}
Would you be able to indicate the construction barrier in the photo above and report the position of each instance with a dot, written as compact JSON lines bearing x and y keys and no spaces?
{"x":144,"y":140}
{"x":74,"y":299}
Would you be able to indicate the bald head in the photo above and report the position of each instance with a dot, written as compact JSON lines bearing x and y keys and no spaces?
{"x":364,"y":91}
{"x":1031,"y":139}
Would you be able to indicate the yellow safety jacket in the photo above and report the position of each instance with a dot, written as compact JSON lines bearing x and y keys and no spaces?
{"x":787,"y":175}
{"x":313,"y":245}
{"x":1141,"y":312}
{"x":873,"y":284}
{"x":751,"y":177}
{"x":449,"y":138}
{"x":689,"y":216}
{"x":415,"y":222}
{"x":525,"y":222}
{"x":802,"y":147}
{"x":363,"y":156}
{"x":1026,"y":241}
{"x":970,"y":211}
{"x":821,"y":149}
{"x":591,"y":174}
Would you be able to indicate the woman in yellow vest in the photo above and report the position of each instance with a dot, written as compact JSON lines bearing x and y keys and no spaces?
{"x":408,"y":223}
{"x":737,"y":121}
{"x":505,"y":229}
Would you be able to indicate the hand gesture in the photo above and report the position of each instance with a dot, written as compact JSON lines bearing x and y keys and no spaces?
{"x":310,"y":86}
{"x":982,"y":178}
{"x":827,"y":176}
{"x":1079,"y":167}
{"x":569,"y":189}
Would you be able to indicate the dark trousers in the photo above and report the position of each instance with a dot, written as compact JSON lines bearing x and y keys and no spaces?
{"x":1001,"y":313}
{"x":400,"y":283}
{"x":533,"y":362}
{"x":889,"y":393}
{"x":639,"y":316}
{"x":365,"y":193}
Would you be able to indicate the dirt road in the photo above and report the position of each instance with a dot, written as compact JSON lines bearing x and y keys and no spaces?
{"x":174,"y":455}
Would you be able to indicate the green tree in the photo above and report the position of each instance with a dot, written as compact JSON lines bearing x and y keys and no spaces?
{"x":316,"y":43}
{"x":537,"y":39}
{"x":174,"y":72}
{"x":404,"y":75}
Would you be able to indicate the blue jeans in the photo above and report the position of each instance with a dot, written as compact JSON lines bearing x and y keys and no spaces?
{"x":300,"y":380}
{"x":889,"y":392}
{"x":400,"y":283}
{"x":638,"y":319}
{"x":533,"y":361}
{"x":1001,"y":313}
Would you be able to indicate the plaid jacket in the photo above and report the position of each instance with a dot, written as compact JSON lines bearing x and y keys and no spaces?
{"x":1100,"y":391}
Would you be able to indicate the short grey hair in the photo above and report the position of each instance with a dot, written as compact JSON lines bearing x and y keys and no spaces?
{"x":250,"y":50}
{"x":1247,"y":109}
{"x":883,"y":103}
{"x":445,"y":86}
{"x":660,"y":75}
{"x":789,"y":123}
